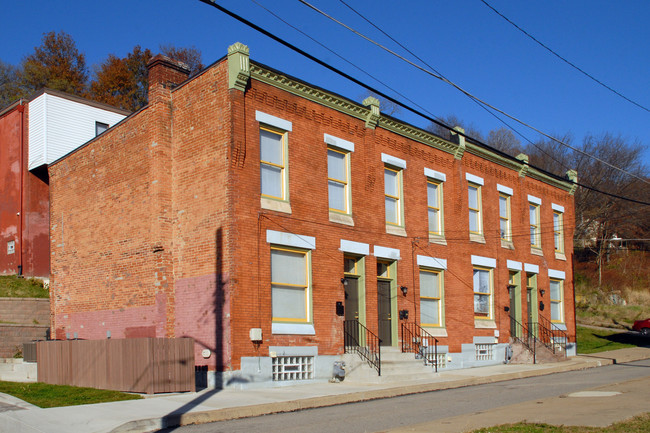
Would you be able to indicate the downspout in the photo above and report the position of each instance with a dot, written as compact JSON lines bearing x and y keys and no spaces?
{"x":21,"y":110}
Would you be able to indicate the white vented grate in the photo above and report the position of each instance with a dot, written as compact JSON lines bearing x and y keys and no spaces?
{"x":484,"y":352}
{"x":293,"y":368}
{"x":442,"y":360}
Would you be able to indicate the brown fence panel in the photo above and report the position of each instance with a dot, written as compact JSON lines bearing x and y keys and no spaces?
{"x":146,"y":365}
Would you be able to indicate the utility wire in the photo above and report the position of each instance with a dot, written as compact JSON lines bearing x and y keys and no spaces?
{"x":562,"y":58}
{"x":343,"y":58}
{"x":457,"y":87}
{"x":360,"y":83}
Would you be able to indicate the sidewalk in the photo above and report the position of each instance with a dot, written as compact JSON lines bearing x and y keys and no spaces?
{"x":162,"y":411}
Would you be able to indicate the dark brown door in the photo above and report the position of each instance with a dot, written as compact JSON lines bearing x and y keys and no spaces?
{"x":352,"y":299}
{"x":384,"y":309}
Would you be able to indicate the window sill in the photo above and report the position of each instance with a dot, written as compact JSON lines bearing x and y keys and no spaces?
{"x":436,"y":332}
{"x":293,"y":328}
{"x":536,"y":251}
{"x":485,"y":324}
{"x":507,"y":244}
{"x":560,"y":256}
{"x":475,"y":237}
{"x":276,"y":205}
{"x":395,"y":230}
{"x":559,"y":326}
{"x":339,"y":218}
{"x":437,"y":239}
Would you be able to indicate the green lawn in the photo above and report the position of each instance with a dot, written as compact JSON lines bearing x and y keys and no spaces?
{"x":44,"y":395}
{"x":13,"y":286}
{"x":639,"y":424}
{"x":594,"y":340}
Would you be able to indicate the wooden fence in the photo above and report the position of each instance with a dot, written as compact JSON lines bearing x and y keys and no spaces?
{"x":146,"y":365}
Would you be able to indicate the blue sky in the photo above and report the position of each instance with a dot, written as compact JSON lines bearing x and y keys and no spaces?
{"x":463,"y":39}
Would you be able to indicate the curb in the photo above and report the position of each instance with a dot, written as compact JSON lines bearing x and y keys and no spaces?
{"x":177,"y":420}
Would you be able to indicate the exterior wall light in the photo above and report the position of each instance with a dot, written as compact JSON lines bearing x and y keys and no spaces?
{"x":404,"y":290}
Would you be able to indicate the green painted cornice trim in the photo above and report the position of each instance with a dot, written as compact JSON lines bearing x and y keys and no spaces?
{"x":358,"y":111}
{"x":238,"y":66}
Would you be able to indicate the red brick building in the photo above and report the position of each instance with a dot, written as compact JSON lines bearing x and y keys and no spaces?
{"x":240,"y":206}
{"x":34,"y":132}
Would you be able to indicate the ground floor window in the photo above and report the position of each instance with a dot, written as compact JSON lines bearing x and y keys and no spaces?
{"x":482,"y":293}
{"x":557,"y":295}
{"x":290,"y":285}
{"x":430,"y":297}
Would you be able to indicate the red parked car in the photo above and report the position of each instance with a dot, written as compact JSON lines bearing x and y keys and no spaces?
{"x":643,"y":326}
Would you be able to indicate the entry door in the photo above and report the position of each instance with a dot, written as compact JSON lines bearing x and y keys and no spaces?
{"x":352,"y":299}
{"x":513,"y":288}
{"x":384,"y":308}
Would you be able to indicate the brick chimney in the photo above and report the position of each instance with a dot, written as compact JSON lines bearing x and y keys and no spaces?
{"x":164,"y":75}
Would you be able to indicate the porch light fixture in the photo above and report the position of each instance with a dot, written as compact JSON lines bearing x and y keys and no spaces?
{"x":344,"y":281}
{"x":404,"y":290}
{"x":542,"y":291}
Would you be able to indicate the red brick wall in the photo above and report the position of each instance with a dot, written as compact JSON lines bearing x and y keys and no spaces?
{"x":10,"y":145}
{"x":157,"y":225}
{"x":308,"y":197}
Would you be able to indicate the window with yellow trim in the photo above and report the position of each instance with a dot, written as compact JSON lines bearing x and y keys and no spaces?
{"x":393,"y":195}
{"x":474,"y":202}
{"x":535,"y":240}
{"x":273,"y":163}
{"x":504,"y":217}
{"x":483,"y":290}
{"x":558,"y":231}
{"x":557,"y":300}
{"x":290,"y":285}
{"x":434,"y":204}
{"x":431,"y":313}
{"x":338,"y":180}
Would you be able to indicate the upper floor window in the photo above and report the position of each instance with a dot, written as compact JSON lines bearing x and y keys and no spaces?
{"x":273,"y":156}
{"x":558,"y":228}
{"x":273,"y":163}
{"x":505,"y":218}
{"x":434,"y":204}
{"x":534,"y":204}
{"x":100,"y":128}
{"x":393,"y":189}
{"x":474,"y":203}
{"x":338,"y":180}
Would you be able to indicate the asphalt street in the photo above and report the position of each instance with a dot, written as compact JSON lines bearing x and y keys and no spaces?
{"x":401,"y":412}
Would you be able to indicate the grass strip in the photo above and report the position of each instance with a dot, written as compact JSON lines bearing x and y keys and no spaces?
{"x":596,"y":340}
{"x":638,"y":424}
{"x":45,"y":395}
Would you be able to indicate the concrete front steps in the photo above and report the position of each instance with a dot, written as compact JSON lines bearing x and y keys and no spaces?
{"x":395,"y":367}
{"x":15,"y":370}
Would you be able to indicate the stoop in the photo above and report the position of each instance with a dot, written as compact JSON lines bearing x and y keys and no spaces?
{"x":396,"y":367}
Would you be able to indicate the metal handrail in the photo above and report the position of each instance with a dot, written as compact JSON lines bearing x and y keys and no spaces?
{"x":359,"y":339}
{"x":526,"y":335}
{"x":416,"y":340}
{"x":551,"y":336}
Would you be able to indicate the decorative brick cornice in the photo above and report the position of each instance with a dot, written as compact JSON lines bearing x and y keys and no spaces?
{"x":460,"y":140}
{"x":572,"y":175}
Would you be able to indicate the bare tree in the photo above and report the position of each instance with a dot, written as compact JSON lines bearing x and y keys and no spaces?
{"x":504,"y":140}
{"x":452,"y":121}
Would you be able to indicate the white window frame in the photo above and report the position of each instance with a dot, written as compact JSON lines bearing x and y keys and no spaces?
{"x":281,"y":127}
{"x":477,"y":210}
{"x":558,"y":228}
{"x":534,"y":208}
{"x":398,"y":199}
{"x":559,"y":301}
{"x":489,"y":294}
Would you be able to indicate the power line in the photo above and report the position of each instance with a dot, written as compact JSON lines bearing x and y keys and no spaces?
{"x":354,"y":80}
{"x":457,"y":87}
{"x":562,"y":58}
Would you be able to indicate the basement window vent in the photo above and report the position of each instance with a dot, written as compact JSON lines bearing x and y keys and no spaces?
{"x":484,"y":352}
{"x":293,"y":368}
